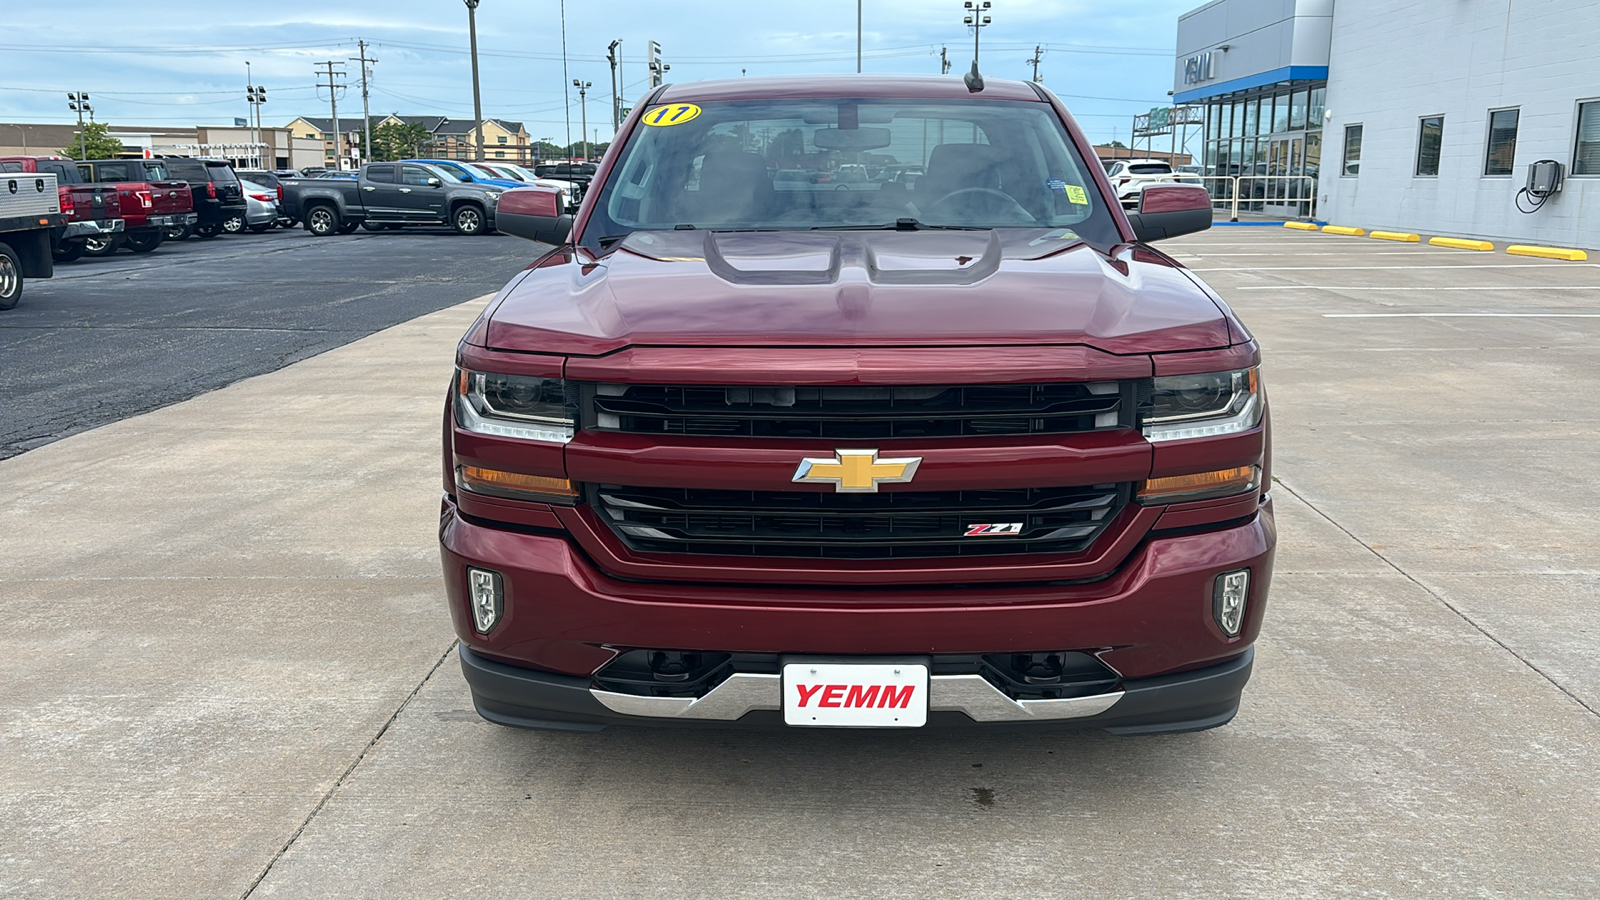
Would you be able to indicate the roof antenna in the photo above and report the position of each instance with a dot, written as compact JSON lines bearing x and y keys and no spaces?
{"x":976,"y":19}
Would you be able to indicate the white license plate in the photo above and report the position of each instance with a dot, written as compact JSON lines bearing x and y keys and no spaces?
{"x":855,"y":695}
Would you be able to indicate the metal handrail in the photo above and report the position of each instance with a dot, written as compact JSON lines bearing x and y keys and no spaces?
{"x":1231,"y":200}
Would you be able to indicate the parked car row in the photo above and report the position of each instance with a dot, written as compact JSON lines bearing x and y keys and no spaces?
{"x":385,"y":196}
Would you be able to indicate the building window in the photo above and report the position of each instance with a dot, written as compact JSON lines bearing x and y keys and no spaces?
{"x":1352,"y":151}
{"x":1280,"y":114}
{"x":1429,"y":136}
{"x":1297,"y":111}
{"x":1502,"y":142}
{"x":1586,"y":159}
{"x":1251,"y":107}
{"x":499,"y":154}
{"x":501,"y":139}
{"x":1319,"y":97}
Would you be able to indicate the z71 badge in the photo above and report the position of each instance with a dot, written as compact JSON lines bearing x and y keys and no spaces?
{"x":995,"y":529}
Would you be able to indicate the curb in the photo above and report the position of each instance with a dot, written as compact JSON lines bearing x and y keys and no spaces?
{"x":1460,"y":243}
{"x":1300,"y":226}
{"x":1405,"y":236}
{"x":1343,"y":229}
{"x":1547,"y":252}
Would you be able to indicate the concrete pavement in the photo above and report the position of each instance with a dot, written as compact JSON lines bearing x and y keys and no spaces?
{"x":229,"y":670}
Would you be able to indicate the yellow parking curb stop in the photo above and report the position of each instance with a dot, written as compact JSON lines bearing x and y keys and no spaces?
{"x":1460,"y":243}
{"x":1396,"y":236}
{"x":1301,"y":226}
{"x":1343,"y":229}
{"x":1547,"y":252}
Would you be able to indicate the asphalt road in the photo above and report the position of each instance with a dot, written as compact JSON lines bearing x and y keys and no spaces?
{"x":109,"y":338}
{"x":229,"y":671}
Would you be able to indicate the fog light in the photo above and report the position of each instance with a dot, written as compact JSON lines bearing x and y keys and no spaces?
{"x":486,"y":598}
{"x":1227,"y":600}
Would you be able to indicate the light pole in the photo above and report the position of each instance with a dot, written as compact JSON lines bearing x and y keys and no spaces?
{"x":977,"y":18}
{"x":583,"y":104}
{"x":24,"y":133}
{"x":79,"y":103}
{"x":477,"y":103}
{"x":255,"y":96}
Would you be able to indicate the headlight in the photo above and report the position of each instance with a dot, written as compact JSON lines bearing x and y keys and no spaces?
{"x":491,"y":196}
{"x":515,"y":406}
{"x":1195,"y":406}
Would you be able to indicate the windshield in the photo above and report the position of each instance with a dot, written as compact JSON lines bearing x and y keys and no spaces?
{"x":794,"y":165}
{"x":453,"y":171}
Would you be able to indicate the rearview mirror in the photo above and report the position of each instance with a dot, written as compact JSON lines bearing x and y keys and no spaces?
{"x":852,"y":140}
{"x":1169,"y":210}
{"x":533,"y":213}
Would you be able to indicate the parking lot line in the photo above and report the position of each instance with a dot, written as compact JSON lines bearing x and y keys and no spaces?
{"x":1465,"y":265}
{"x":1460,"y":315}
{"x":1389,"y":287}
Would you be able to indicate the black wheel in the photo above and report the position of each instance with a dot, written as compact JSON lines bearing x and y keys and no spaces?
{"x":322,"y":221}
{"x":101,"y":245}
{"x":180,"y":232}
{"x":67,"y":251}
{"x":467,"y":219}
{"x":375,"y":226}
{"x":207,"y":232}
{"x":349,"y":227}
{"x":260,"y":229}
{"x":144,"y":241}
{"x":233,"y":225}
{"x":10,"y":277}
{"x":288,"y":222}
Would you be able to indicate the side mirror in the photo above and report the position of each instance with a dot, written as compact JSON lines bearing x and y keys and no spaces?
{"x":433,"y":181}
{"x":1169,"y":210}
{"x":533,"y":213}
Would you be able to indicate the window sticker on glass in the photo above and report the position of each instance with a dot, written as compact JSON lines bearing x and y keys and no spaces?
{"x":1056,"y":185}
{"x":672,"y":114}
{"x":1076,"y":195}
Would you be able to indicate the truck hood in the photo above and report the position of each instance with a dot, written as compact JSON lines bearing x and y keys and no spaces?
{"x":855,"y":289}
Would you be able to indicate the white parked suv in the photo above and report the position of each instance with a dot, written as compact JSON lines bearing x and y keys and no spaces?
{"x":1129,"y":177}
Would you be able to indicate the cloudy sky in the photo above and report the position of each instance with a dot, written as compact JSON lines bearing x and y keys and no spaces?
{"x":1107,"y":60}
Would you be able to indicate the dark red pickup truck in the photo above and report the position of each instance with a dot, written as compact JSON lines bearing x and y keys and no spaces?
{"x":152,"y":203}
{"x":864,"y":454}
{"x":89,"y":210}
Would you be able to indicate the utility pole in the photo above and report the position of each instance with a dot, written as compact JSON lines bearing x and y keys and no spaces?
{"x":944,"y":62}
{"x":477,"y":103}
{"x":858,"y":37}
{"x":1038,"y":52}
{"x":583,"y":104}
{"x":615,"y":58}
{"x":333,"y":86}
{"x":79,"y":103}
{"x":366,"y":114}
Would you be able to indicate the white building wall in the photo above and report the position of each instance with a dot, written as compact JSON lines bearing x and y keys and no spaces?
{"x":1261,"y":36}
{"x":1393,"y":63}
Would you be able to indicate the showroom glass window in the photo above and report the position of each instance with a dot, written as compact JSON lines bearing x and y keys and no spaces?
{"x":1429,"y":137}
{"x":1586,"y":160}
{"x":1352,"y":150}
{"x":1502,"y":142}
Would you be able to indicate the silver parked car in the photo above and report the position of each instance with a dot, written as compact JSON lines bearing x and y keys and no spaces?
{"x":261,"y":209}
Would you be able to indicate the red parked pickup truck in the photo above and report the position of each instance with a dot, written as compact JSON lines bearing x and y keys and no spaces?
{"x":781,"y":452}
{"x":152,"y":203}
{"x":89,"y":210}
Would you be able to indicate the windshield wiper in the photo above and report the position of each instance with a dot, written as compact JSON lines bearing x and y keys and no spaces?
{"x":907,"y":224}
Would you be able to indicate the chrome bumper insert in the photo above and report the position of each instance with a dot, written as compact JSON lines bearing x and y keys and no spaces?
{"x":743,"y":692}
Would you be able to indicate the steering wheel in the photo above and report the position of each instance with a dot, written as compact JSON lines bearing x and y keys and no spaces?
{"x":979,"y":202}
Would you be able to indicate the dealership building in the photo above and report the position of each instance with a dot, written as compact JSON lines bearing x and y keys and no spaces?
{"x":1468,"y":117}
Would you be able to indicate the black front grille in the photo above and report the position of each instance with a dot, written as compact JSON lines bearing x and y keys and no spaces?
{"x":860,"y":413}
{"x":886,"y":525}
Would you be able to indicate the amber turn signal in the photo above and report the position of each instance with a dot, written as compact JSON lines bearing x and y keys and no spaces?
{"x":516,"y":486}
{"x":1200,"y":485}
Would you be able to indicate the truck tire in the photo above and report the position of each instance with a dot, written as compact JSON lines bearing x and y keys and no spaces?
{"x":101,"y":245}
{"x":468,"y":219}
{"x":10,"y":277}
{"x":261,"y":229}
{"x":180,"y":232}
{"x":322,"y":220}
{"x":144,"y":242}
{"x":207,"y":232}
{"x":67,"y":251}
{"x":349,"y":227}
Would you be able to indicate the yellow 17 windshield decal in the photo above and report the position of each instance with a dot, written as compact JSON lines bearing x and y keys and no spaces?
{"x":671,"y":114}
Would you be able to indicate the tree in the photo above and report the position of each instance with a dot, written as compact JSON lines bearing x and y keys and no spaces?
{"x":1118,"y":145}
{"x":397,"y":140}
{"x":94,"y":142}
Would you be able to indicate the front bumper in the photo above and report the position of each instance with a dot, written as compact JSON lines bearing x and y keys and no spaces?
{"x":524,"y":698}
{"x":564,"y":618}
{"x":93,"y":228}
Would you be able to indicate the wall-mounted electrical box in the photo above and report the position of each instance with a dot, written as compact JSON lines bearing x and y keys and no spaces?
{"x":1545,"y":177}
